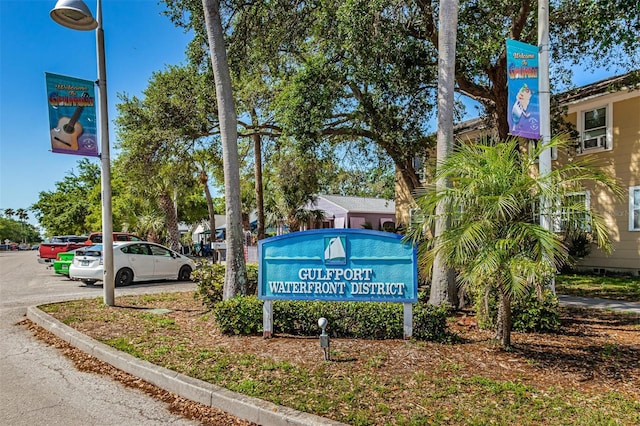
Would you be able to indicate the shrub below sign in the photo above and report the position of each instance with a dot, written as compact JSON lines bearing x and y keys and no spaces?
{"x":357,"y":320}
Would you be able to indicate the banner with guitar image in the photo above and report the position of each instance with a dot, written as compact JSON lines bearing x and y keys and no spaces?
{"x":72,"y":115}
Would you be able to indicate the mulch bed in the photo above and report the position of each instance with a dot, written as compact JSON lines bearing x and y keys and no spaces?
{"x":595,"y":352}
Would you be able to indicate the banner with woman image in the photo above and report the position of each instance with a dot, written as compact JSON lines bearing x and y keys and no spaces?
{"x":72,"y":115}
{"x":523,"y":112}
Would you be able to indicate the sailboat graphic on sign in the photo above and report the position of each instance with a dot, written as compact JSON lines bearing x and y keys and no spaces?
{"x":334,"y":251}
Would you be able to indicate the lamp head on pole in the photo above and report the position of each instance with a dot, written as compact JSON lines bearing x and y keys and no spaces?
{"x":73,"y":14}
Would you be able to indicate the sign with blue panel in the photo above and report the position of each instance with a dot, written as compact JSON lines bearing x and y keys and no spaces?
{"x":338,"y":265}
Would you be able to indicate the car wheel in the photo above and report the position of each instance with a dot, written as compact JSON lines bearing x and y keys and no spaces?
{"x":89,"y":282}
{"x":124,"y":277}
{"x":185,"y":273}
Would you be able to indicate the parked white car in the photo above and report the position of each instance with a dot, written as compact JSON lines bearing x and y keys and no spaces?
{"x":132,"y":261}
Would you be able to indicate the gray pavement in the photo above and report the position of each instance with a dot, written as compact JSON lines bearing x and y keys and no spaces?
{"x":606,"y":304}
{"x":51,"y":391}
{"x":38,"y":384}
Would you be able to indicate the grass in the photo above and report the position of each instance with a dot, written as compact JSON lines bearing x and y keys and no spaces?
{"x":451,"y":392}
{"x":617,"y":288}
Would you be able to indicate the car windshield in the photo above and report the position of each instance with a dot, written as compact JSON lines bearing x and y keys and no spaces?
{"x":67,"y":239}
{"x":77,"y":239}
{"x":95,"y":251}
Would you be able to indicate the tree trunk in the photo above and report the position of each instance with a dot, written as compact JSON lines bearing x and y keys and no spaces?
{"x":498,"y":105}
{"x":236,"y":272}
{"x":167,"y":206}
{"x":293,"y":223}
{"x":257,"y":153}
{"x":443,"y":287}
{"x":204,"y":180}
{"x":503,"y":324}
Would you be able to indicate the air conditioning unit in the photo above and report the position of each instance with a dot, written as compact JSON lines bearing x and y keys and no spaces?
{"x":597,"y":142}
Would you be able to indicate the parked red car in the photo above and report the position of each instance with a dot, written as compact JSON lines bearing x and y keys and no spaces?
{"x":48,"y":250}
{"x":96,"y":238}
{"x":62,"y":244}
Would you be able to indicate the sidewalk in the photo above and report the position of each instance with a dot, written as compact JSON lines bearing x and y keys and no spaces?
{"x":607,"y":304}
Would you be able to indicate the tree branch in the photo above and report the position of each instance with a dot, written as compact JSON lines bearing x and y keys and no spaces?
{"x":520,"y":21}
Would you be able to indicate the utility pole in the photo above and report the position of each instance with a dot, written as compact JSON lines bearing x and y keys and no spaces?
{"x":544,"y":161}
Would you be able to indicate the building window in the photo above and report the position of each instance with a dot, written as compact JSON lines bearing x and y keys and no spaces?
{"x":634,"y":208}
{"x":595,"y":132}
{"x":573,"y":213}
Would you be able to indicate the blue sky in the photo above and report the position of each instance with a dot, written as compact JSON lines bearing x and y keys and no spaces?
{"x":138,"y":41}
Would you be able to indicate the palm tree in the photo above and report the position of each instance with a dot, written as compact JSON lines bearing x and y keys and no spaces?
{"x":202,"y":161}
{"x":257,"y":155}
{"x":23,"y":216}
{"x":151,"y":226}
{"x":235,"y":281}
{"x":494,"y":241}
{"x":275,"y":214}
{"x":167,"y":205}
{"x":9,"y":213}
{"x":304,"y":217}
{"x":443,"y":287}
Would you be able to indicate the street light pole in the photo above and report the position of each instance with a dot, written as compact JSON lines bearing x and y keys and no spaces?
{"x":105,"y":158}
{"x":76,"y":15}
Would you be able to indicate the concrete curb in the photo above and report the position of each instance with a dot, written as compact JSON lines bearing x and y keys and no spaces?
{"x":242,"y":406}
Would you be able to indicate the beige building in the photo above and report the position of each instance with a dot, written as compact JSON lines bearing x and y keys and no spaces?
{"x":606,"y":115}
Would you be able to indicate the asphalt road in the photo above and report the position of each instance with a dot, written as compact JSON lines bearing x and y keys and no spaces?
{"x":39,"y":386}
